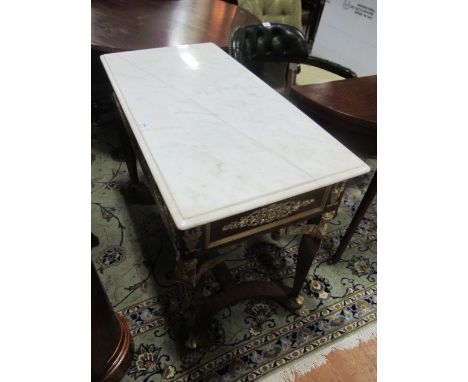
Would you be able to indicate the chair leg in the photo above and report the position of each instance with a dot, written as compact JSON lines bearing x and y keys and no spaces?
{"x":291,"y":75}
{"x":129,"y":155}
{"x":366,"y":201}
{"x":308,"y":26}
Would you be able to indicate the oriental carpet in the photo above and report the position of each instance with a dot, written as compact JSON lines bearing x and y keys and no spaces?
{"x":135,"y":262}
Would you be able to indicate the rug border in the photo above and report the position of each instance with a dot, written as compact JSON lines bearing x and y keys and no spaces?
{"x":318,"y":357}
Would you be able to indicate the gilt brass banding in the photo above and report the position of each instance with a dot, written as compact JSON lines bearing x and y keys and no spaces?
{"x":268,"y":214}
{"x":315,"y":209}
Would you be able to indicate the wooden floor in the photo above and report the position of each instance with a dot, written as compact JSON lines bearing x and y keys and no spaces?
{"x":354,"y":365}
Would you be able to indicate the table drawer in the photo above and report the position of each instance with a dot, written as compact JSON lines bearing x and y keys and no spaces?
{"x":264,"y":219}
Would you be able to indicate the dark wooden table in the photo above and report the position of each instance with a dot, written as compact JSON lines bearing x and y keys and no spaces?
{"x":111,"y":341}
{"x":121,"y":25}
{"x":347,"y":109}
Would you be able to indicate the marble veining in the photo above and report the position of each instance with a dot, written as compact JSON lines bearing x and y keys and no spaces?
{"x":217,"y":139}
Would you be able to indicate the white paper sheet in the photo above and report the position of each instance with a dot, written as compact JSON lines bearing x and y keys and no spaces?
{"x":347,"y":35}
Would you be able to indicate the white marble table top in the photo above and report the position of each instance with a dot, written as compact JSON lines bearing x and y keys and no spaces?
{"x":217,"y":139}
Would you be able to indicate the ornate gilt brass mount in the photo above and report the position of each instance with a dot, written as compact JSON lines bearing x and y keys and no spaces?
{"x":186,"y":271}
{"x":316,"y":230}
{"x":335,"y":193}
{"x":190,"y":271}
{"x":268,"y":214}
{"x":192,"y":238}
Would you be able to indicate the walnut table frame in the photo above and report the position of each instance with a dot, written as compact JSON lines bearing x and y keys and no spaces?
{"x":202,"y":158}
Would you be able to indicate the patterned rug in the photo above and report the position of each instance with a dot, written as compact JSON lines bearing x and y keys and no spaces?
{"x":135,"y":262}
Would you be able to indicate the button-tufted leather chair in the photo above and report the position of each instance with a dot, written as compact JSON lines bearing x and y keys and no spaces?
{"x":253,"y":45}
{"x":275,"y":11}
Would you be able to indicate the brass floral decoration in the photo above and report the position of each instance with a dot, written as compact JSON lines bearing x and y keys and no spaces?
{"x":268,"y":214}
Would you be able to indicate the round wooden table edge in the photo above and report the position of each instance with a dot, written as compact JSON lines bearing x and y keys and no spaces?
{"x":120,"y":360}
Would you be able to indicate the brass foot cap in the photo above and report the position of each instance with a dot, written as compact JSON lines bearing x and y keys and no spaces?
{"x":299,"y":300}
{"x":191,"y":342}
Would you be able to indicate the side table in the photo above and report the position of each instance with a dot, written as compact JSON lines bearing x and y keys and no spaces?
{"x":348,"y":110}
{"x":216,"y":146}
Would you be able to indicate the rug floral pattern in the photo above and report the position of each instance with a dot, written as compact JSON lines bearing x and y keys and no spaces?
{"x":135,"y":262}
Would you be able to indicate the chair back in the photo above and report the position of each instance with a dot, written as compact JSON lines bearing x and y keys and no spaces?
{"x":267,"y":50}
{"x":275,"y":11}
{"x":276,"y":42}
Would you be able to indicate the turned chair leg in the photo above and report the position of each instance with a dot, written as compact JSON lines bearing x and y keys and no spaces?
{"x":127,"y":149}
{"x":129,"y":154}
{"x":365,"y":203}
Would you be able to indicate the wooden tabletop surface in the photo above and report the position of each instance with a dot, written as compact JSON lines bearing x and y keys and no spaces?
{"x":353,"y":99}
{"x":121,"y":25}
